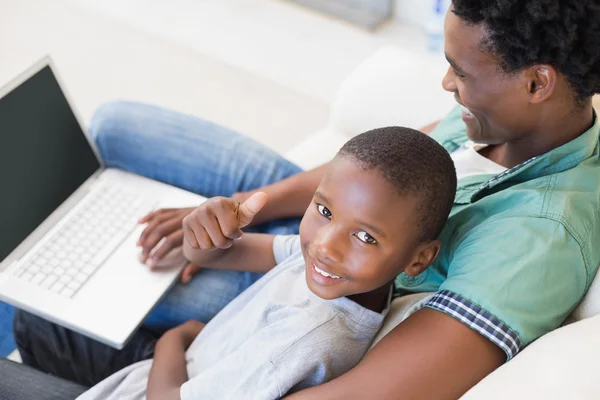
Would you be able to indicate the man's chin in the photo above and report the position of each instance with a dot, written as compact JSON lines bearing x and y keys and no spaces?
{"x":474,"y":133}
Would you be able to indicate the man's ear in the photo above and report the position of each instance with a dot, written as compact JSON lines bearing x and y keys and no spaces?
{"x":425,"y":255}
{"x":541,"y":82}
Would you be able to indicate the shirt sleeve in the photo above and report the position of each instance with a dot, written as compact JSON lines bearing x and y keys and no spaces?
{"x":513,"y":280}
{"x":284,"y":246}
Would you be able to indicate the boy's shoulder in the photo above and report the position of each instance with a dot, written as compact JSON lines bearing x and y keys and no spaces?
{"x":285,"y":246}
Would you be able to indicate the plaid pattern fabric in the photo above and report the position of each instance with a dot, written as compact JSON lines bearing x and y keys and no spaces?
{"x":477,"y":319}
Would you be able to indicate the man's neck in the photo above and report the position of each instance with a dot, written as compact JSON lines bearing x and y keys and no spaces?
{"x":375,"y":300}
{"x":556,"y":131}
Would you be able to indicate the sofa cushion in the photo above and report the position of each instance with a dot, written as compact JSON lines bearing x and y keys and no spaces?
{"x":560,"y":365}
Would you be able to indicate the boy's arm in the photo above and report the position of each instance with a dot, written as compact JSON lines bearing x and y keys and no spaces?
{"x":252,"y":253}
{"x":214,"y":238}
{"x":169,"y":367}
{"x":429,"y":356}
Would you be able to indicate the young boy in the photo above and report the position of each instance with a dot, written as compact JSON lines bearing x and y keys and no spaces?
{"x":377,"y":213}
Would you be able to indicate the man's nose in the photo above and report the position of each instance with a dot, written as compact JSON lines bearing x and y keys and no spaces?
{"x":448,"y":83}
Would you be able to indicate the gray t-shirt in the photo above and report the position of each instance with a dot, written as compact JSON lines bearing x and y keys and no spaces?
{"x":274,"y":338}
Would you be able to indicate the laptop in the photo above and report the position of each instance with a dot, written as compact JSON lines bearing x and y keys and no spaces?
{"x":68,"y":224}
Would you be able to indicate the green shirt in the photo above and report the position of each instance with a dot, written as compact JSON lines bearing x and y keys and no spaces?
{"x":518,"y":248}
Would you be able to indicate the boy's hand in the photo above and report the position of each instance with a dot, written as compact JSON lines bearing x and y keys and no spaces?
{"x":185,"y":333}
{"x":219,"y":221}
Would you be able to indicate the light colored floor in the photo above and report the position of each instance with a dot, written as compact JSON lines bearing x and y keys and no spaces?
{"x":275,"y":39}
{"x":102,"y":59}
{"x":266,"y":68}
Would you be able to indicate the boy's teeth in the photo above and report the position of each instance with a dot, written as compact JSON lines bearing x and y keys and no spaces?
{"x":320,"y":271}
{"x":466,"y":110}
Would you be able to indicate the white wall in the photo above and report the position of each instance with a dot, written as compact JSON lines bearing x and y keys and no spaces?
{"x":415,"y":12}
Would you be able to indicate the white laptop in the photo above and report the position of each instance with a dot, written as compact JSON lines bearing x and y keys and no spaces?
{"x":68,"y":225}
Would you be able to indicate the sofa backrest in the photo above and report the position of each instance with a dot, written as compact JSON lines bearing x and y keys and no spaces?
{"x":391,"y":88}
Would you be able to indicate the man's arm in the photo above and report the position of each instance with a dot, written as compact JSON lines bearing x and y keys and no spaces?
{"x":429,"y":128}
{"x":428,"y":356}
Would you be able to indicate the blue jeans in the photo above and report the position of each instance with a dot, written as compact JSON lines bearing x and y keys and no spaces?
{"x":7,"y":343}
{"x":184,"y":151}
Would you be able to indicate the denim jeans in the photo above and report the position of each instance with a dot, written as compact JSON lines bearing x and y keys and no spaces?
{"x":183,"y":151}
{"x":7,"y":343}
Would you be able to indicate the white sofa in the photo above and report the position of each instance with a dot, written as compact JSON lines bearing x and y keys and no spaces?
{"x":390,"y":88}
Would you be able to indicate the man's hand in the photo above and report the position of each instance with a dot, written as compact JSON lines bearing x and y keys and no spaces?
{"x":219,"y":221}
{"x":161,"y":224}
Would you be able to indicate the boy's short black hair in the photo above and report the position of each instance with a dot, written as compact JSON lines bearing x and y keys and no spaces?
{"x":561,"y":33}
{"x":416,"y":165}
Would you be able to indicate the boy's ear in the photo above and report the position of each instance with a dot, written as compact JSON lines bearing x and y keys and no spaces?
{"x":425,"y":255}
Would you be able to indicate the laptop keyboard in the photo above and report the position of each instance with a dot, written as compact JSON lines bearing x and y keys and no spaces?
{"x":66,"y":262}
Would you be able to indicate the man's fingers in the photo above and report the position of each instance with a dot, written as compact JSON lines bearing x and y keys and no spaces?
{"x":171,"y":242}
{"x":153,"y":220}
{"x":188,"y":273}
{"x":248,"y":209}
{"x":146,"y":218}
{"x":164,"y":212}
{"x":156,"y":233}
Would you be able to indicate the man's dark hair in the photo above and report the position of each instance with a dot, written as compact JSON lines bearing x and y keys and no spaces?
{"x":523,"y":33}
{"x":416,"y":165}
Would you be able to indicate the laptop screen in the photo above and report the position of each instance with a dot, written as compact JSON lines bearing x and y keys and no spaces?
{"x":44,"y":157}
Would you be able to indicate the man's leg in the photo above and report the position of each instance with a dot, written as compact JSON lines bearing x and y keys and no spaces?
{"x":69,"y":355}
{"x":7,"y":343}
{"x":20,"y":382}
{"x":201,"y":157}
{"x":183,"y":150}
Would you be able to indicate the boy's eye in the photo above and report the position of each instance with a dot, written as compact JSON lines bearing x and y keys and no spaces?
{"x":324,"y":211}
{"x":365,"y":237}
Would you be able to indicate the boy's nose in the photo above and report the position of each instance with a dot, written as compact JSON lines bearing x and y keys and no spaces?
{"x":329,"y":245}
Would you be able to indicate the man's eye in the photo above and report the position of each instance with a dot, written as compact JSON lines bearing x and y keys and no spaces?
{"x":459,"y":75}
{"x":365,"y":237}
{"x":324,"y":211}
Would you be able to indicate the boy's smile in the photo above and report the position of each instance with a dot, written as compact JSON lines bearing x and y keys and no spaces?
{"x":358,"y":233}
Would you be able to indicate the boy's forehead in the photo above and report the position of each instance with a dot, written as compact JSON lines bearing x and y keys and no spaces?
{"x":364,"y":194}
